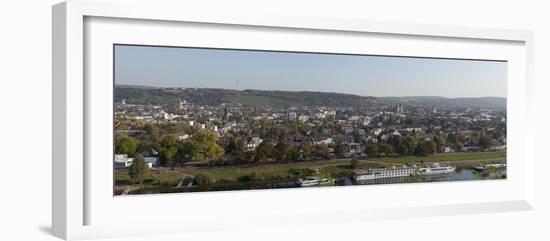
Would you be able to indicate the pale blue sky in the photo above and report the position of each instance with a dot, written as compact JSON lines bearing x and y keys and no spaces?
{"x":352,"y":74}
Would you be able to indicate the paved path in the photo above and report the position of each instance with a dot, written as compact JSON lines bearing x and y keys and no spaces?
{"x":341,"y":161}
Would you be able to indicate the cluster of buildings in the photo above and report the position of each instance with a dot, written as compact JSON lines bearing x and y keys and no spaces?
{"x":123,"y":161}
{"x":353,"y":127}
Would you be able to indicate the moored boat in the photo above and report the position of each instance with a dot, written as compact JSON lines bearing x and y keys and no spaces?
{"x":308,"y":181}
{"x":436,"y":169}
{"x":363,"y":175}
{"x":493,"y":165}
{"x":405,"y":171}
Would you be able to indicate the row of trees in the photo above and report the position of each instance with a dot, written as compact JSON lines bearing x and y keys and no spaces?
{"x":202,"y":146}
{"x":284,"y":150}
{"x":421,"y":148}
{"x":205,"y":145}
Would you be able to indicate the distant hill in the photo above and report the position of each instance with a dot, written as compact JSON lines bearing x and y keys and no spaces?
{"x":286,"y":99}
{"x":207,"y":96}
{"x":495,"y":103}
{"x":136,"y":86}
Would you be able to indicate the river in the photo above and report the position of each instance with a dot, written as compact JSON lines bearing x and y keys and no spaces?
{"x":461,"y":174}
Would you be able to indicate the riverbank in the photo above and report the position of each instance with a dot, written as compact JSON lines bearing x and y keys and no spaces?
{"x":165,"y":177}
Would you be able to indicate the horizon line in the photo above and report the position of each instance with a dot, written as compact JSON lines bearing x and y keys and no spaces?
{"x":384,"y":96}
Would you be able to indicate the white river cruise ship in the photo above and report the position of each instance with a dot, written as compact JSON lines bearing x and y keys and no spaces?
{"x":405,"y":171}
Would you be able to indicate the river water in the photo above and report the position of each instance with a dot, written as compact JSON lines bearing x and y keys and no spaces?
{"x":460,"y":175}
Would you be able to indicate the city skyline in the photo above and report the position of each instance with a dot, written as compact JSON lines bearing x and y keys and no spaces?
{"x":363,"y":75}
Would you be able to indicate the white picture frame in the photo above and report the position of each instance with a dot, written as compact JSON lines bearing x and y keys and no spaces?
{"x":75,"y":201}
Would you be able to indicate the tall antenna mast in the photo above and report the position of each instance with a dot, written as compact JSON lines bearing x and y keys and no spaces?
{"x":237,"y":84}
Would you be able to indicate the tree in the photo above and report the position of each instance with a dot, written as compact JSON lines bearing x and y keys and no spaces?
{"x":138,"y":170}
{"x":411,"y":145}
{"x":460,"y":138}
{"x":340,"y":150}
{"x":229,"y":144}
{"x":384,"y":148}
{"x":396,"y":140}
{"x":452,"y":138}
{"x":203,"y":146}
{"x":248,"y":157}
{"x":425,"y":148}
{"x":322,"y":151}
{"x":239,"y":149}
{"x":439,"y":140}
{"x":264,"y":151}
{"x":283,"y":149}
{"x":459,"y":146}
{"x":295,"y":154}
{"x":126,"y":145}
{"x":307,"y":151}
{"x":484,"y":140}
{"x":152,"y":131}
{"x":429,"y":147}
{"x":402,"y":149}
{"x":239,"y":146}
{"x":168,"y":149}
{"x":372,"y":150}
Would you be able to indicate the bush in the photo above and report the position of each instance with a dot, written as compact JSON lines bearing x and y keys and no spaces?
{"x":254,"y":176}
{"x":203,"y":178}
{"x":354,"y":163}
{"x":300,"y":172}
{"x":225,"y":180}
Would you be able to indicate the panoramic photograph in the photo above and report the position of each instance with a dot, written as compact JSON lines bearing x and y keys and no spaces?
{"x":204,"y":119}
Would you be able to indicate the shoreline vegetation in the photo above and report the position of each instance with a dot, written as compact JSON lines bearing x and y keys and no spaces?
{"x":179,"y":177}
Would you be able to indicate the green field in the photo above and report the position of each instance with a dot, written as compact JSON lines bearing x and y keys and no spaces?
{"x":450,"y":157}
{"x":287,"y":171}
